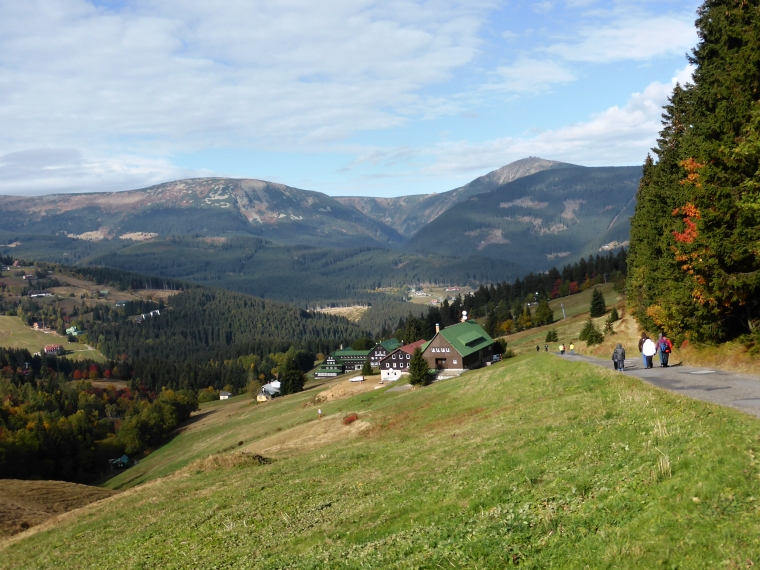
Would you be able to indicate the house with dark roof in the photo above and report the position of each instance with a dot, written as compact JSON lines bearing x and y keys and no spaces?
{"x":381,"y":350}
{"x":330,"y":368}
{"x":396,"y":364}
{"x":460,"y":347}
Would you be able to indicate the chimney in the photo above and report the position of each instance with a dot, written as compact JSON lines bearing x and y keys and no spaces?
{"x":437,"y":328}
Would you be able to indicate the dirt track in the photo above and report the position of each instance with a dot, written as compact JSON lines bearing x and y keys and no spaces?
{"x":24,"y":504}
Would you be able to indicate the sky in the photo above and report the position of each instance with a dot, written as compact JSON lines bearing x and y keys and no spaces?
{"x":346,"y":97}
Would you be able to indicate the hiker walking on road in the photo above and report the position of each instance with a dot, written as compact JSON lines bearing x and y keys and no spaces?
{"x":319,"y":413}
{"x":572,"y":348}
{"x":546,"y":348}
{"x":641,"y":348}
{"x":618,"y":358}
{"x":648,"y":349}
{"x":538,"y":348}
{"x":562,"y":349}
{"x":664,"y":347}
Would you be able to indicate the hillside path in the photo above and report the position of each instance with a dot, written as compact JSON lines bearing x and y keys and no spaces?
{"x":739,"y":391}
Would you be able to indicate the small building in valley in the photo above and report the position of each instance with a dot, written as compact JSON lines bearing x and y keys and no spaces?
{"x":352,"y":359}
{"x":224,"y":395}
{"x":460,"y":347}
{"x":53,"y":349}
{"x":268,"y":391}
{"x":330,"y":368}
{"x":396,"y":364}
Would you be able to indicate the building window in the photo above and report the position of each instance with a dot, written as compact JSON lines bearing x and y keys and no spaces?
{"x":455,"y":361}
{"x":407,"y":356}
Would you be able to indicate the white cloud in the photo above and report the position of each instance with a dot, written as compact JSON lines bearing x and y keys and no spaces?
{"x":66,"y":170}
{"x":159,"y":77}
{"x":636,"y":38}
{"x":531,"y":76}
{"x":618,"y":135}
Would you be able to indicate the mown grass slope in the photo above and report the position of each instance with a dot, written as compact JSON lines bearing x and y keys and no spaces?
{"x":536,"y":461}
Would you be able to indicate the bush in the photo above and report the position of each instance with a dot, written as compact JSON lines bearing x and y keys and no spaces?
{"x":591,"y":333}
{"x":614,"y":315}
{"x":551,"y":336}
{"x":508,"y":354}
{"x":419,"y":373}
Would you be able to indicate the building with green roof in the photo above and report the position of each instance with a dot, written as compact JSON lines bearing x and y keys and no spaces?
{"x":352,"y":359}
{"x":330,"y":368}
{"x":462,"y":346}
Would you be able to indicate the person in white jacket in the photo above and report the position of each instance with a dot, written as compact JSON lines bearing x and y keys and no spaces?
{"x":648,"y":350}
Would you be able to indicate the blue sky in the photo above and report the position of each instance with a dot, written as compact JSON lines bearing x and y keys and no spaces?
{"x":356,"y":97}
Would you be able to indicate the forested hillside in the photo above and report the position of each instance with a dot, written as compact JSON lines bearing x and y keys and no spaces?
{"x":212,"y":324}
{"x":558,"y":215}
{"x":694,"y":265}
{"x":302,"y":275}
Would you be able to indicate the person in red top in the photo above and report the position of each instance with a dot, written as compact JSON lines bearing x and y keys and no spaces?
{"x":664,"y":347}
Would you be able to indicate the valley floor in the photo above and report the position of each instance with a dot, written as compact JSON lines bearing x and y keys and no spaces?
{"x":535,"y":461}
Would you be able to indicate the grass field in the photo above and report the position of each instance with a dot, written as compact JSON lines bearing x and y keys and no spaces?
{"x":13,"y":334}
{"x":535,"y":461}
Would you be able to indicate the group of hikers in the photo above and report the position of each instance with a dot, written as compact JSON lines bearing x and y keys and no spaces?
{"x":647,"y":347}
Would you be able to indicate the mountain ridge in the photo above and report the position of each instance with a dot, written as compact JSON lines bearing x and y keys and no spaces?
{"x":427,"y":207}
{"x":207,"y":205}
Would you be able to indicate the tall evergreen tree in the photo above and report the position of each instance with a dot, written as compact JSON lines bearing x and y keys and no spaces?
{"x":544,"y":314}
{"x":598,"y":306}
{"x":694,"y":263}
{"x":291,"y":378}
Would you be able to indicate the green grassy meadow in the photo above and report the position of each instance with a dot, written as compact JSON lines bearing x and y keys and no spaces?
{"x":535,"y":461}
{"x":13,"y":334}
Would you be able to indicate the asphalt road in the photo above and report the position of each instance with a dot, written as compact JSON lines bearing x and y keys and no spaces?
{"x":739,"y":391}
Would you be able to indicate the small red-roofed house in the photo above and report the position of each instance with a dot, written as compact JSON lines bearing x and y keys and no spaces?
{"x":396,"y":364}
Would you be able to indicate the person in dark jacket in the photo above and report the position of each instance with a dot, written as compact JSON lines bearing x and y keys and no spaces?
{"x":664,"y":348}
{"x":643,"y":338}
{"x":618,"y":358}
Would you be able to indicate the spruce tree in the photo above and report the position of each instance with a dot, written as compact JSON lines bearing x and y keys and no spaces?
{"x":694,"y":263}
{"x":419,"y":373}
{"x":544,"y":314}
{"x":291,"y":378}
{"x":598,"y":306}
{"x":366,"y":368}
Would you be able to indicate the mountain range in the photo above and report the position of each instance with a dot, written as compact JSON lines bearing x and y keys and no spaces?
{"x":527,"y":216}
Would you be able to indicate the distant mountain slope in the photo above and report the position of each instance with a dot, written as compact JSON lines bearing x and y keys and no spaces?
{"x":303,"y":275}
{"x":541,"y":220}
{"x":210,"y":206}
{"x":407,"y":214}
